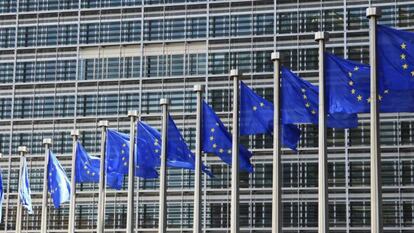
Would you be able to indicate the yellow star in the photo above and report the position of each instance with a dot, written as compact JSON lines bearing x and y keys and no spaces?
{"x":403,"y":46}
{"x":212,"y":130}
{"x":405,"y":66}
{"x":217,"y":124}
{"x":353,"y":91}
{"x":214,"y":145}
{"x":228,"y":151}
{"x":307,"y":105}
{"x":386,"y":91}
{"x":156,"y":140}
{"x":412,"y":73}
{"x":221,"y":150}
{"x":351,"y":83}
{"x":85,"y":167}
{"x":122,"y":151}
{"x":379,"y":97}
{"x":356,"y":68}
{"x":211,"y":138}
{"x":124,"y":145}
{"x":88,"y":172}
{"x":359,"y":97}
{"x":123,"y":158}
{"x":403,"y":56}
{"x":254,"y":108}
{"x":349,"y":74}
{"x":155,"y":143}
{"x":156,"y":150}
{"x":305,"y":97}
{"x":313,"y":112}
{"x":261,"y":104}
{"x":369,"y":100}
{"x":93,"y":173}
{"x":125,"y":164}
{"x":303,"y":90}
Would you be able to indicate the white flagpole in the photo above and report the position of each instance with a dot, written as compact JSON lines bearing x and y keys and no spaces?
{"x":46,"y":142}
{"x":376,"y":192}
{"x":102,"y":179}
{"x":277,"y":218}
{"x":323,"y":210}
{"x":162,"y":219}
{"x":131,"y":172}
{"x":22,"y":151}
{"x":197,"y":228}
{"x":234,"y":225}
{"x":71,"y":228}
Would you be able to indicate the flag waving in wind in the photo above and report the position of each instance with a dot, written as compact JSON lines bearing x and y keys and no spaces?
{"x":300,"y":104}
{"x":88,"y":168}
{"x":24,"y":188}
{"x":256,"y":117}
{"x":218,"y":141}
{"x":348,"y":89}
{"x":58,"y":182}
{"x":395,"y":57}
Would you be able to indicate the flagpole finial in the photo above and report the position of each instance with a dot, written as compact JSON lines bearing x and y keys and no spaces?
{"x":132,"y":113}
{"x":22,"y":149}
{"x":275,"y":56}
{"x":164,"y":101}
{"x":321,"y":36}
{"x":373,"y":12}
{"x":103,"y":123}
{"x":74,"y":133}
{"x":198,"y":87}
{"x":47,"y":141}
{"x":234,"y":73}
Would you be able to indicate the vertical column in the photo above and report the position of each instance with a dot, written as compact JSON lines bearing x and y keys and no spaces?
{"x":71,"y":228}
{"x":234,"y":225}
{"x":22,"y":151}
{"x":162,"y":224}
{"x":277,"y":206}
{"x":376,"y":192}
{"x":323,"y":210}
{"x":198,"y":161}
{"x":46,"y":142}
{"x":131,"y":172}
{"x":102,"y":179}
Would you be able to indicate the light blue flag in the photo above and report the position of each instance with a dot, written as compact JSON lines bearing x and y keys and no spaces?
{"x":58,"y":183}
{"x":88,"y":168}
{"x":24,"y":190}
{"x":1,"y":197}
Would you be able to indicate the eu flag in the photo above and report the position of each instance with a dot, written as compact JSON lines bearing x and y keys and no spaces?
{"x":58,"y":183}
{"x":117,"y":152}
{"x":300,"y":104}
{"x":256,"y":117}
{"x":24,"y":188}
{"x":348,"y":89}
{"x":1,"y":197}
{"x":148,"y":151}
{"x":395,"y":58}
{"x":218,"y":141}
{"x":88,"y":168}
{"x":178,"y":153}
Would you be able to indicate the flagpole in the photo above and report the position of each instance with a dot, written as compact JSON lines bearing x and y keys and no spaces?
{"x":376,"y":193}
{"x":46,"y":142}
{"x":162,"y":218}
{"x":102,"y":179}
{"x":131,"y":172}
{"x":234,"y":225}
{"x":71,"y":229}
{"x":197,"y":183}
{"x":323,"y":211}
{"x":22,"y":151}
{"x":277,"y":217}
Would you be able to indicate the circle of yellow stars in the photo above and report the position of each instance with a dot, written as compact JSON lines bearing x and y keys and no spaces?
{"x":261,"y":104}
{"x":213,"y":139}
{"x":354,"y":91}
{"x":403,"y":57}
{"x":307,"y":102}
{"x":123,"y":155}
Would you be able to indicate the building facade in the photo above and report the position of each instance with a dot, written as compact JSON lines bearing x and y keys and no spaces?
{"x":71,"y":63}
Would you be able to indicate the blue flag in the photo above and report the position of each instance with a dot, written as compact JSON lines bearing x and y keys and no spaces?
{"x":1,"y":197}
{"x":24,"y":188}
{"x":88,"y":168}
{"x":218,"y":141}
{"x":256,"y":117}
{"x":178,"y":153}
{"x":58,"y":183}
{"x":117,"y":152}
{"x":348,"y":89}
{"x":300,"y":104}
{"x":148,"y":151}
{"x":395,"y":58}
